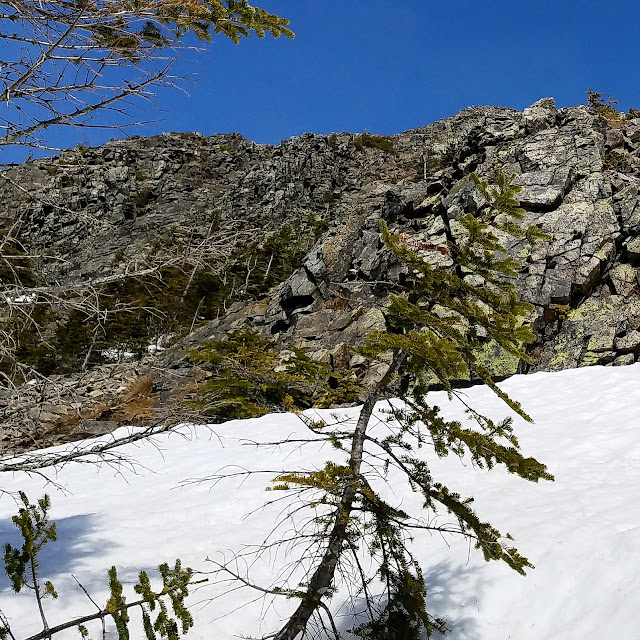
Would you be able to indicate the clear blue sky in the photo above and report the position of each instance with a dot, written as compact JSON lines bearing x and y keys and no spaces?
{"x":388,"y":66}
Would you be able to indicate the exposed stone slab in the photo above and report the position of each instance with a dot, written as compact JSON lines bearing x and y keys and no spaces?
{"x":545,"y":190}
{"x":624,"y":279}
{"x":540,"y":115}
{"x":632,"y":129}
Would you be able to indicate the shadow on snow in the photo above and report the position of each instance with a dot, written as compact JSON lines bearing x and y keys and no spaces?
{"x":453,"y":593}
{"x":59,"y":557}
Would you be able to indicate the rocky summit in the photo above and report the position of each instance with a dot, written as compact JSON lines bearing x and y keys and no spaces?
{"x":285,"y":240}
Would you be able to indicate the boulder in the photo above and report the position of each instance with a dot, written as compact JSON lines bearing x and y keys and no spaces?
{"x":540,"y":115}
{"x":632,"y":129}
{"x":544,"y":190}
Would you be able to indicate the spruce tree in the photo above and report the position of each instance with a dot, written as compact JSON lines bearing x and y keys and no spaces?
{"x":439,"y":330}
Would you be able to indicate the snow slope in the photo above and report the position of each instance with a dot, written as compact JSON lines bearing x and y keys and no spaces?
{"x":582,"y":531}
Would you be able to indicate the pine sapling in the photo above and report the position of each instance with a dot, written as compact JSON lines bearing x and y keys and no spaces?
{"x":167,"y":605}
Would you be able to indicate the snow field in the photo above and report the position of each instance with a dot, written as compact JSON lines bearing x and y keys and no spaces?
{"x":582,"y":532}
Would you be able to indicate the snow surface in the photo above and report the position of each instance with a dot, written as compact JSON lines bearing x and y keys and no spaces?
{"x":582,"y":531}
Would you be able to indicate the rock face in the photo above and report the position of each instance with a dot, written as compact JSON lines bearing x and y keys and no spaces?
{"x":583,"y":283}
{"x":101,"y":210}
{"x":580,"y":178}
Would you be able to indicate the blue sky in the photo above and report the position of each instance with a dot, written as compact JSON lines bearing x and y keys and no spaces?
{"x":388,"y":66}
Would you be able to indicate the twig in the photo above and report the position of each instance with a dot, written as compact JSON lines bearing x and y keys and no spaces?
{"x":102,"y":620}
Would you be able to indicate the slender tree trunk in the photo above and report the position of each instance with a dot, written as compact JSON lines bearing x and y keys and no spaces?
{"x":323,"y":576}
{"x":36,"y":588}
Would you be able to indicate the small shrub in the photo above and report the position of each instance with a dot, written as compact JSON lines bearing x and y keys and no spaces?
{"x":450,"y":154}
{"x":118,"y":256}
{"x":605,"y":107}
{"x":172,"y":618}
{"x":248,"y":378}
{"x":344,"y":388}
{"x":366,"y":139}
{"x":616,"y":161}
{"x":143,"y":198}
{"x":602,"y":106}
{"x":330,"y":198}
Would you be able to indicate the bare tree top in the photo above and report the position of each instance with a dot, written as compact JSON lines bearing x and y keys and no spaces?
{"x":66,"y":60}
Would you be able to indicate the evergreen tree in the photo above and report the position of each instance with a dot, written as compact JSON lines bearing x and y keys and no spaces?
{"x":439,"y":329}
{"x":21,"y":565}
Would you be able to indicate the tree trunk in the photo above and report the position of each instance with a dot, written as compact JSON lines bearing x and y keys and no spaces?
{"x":323,"y":576}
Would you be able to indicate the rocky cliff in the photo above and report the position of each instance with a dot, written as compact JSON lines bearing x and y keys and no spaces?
{"x":93,"y":213}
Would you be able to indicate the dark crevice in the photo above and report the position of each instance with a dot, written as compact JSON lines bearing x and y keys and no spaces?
{"x":609,"y":284}
{"x":310,"y":276}
{"x":279,"y":326}
{"x":296,"y":302}
{"x":541,"y":207}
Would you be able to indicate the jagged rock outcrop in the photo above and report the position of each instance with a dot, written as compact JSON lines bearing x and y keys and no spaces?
{"x":580,"y":178}
{"x":583,"y":282}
